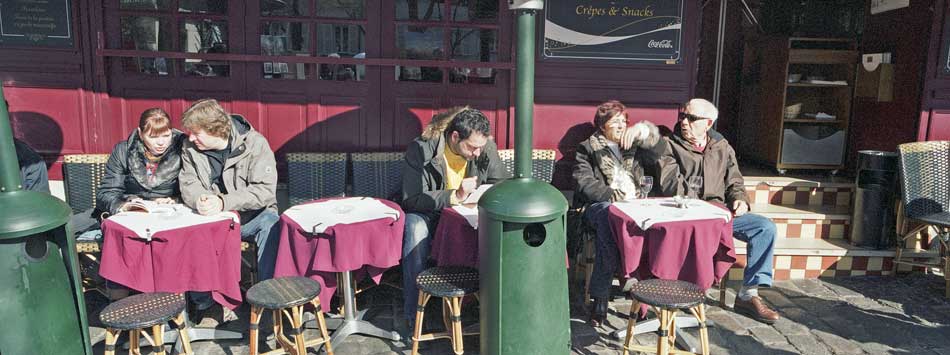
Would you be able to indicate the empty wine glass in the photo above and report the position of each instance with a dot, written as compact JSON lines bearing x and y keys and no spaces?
{"x":695,"y":184}
{"x":646,"y":185}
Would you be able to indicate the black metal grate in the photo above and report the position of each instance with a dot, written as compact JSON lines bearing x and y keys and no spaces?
{"x":925,"y":178}
{"x":377,"y":174}
{"x":315,"y":175}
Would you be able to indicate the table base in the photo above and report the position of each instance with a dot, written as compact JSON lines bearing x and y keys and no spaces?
{"x":683,"y":340}
{"x":353,"y":322}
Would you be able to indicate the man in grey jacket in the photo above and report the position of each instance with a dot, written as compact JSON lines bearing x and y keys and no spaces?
{"x":228,"y":166}
{"x":442,"y":167}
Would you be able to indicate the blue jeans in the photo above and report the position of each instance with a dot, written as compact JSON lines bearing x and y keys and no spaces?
{"x":416,"y":241}
{"x":262,"y":230}
{"x":759,"y":234}
{"x":605,"y":264}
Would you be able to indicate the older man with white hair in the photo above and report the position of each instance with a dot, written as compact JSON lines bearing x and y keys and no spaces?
{"x":695,"y":149}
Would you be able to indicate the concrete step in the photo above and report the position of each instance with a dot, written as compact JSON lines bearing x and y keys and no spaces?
{"x":813,"y":258}
{"x":807,"y":221}
{"x":797,"y":191}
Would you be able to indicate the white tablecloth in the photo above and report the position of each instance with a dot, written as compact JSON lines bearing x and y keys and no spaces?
{"x":470,"y":214}
{"x":317,"y":217}
{"x":177,"y":216}
{"x":647,"y":212}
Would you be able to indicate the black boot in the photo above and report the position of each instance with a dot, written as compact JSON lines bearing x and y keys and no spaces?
{"x":598,"y":311}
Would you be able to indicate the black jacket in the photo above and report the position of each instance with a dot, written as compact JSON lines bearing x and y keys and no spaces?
{"x":125,"y":174}
{"x":593,"y":172}
{"x":722,"y":181}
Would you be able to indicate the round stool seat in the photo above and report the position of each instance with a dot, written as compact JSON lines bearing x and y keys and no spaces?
{"x":283,"y":292}
{"x":667,"y":293}
{"x":448,"y":281}
{"x":142,"y":310}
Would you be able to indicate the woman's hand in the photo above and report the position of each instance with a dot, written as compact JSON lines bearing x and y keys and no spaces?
{"x":165,"y":200}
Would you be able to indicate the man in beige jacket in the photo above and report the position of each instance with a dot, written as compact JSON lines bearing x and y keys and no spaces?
{"x":228,"y":166}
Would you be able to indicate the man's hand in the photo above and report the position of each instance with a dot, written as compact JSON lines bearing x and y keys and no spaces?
{"x":466,"y":188}
{"x":633,"y":134}
{"x":165,"y":200}
{"x":209,"y":204}
{"x":739,"y":207}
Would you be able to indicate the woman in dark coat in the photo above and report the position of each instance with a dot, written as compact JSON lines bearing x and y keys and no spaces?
{"x":144,"y":166}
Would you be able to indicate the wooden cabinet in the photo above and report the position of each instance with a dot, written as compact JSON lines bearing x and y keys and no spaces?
{"x":796,"y":101}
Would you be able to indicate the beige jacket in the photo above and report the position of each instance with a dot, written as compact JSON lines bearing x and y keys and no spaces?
{"x":249,"y":173}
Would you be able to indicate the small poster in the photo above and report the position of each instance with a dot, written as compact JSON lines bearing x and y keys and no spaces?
{"x":36,"y":23}
{"x":631,"y":30}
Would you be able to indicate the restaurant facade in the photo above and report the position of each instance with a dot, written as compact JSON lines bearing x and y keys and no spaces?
{"x":367,"y":75}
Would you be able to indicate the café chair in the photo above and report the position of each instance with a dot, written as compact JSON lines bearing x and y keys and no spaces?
{"x":542,"y":163}
{"x":82,"y":174}
{"x":141,"y":312}
{"x":315,"y":175}
{"x":377,"y":175}
{"x":925,"y":183}
{"x":287,"y":296}
{"x":451,"y":283}
{"x":666,"y":297}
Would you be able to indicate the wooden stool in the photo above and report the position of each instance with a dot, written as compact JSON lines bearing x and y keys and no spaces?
{"x":287,"y":296}
{"x":451,"y":283}
{"x":147,"y":310}
{"x":666,"y":297}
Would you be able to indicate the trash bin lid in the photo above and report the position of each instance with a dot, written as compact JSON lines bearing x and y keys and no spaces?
{"x":523,"y":200}
{"x":877,"y":160}
{"x":30,"y":212}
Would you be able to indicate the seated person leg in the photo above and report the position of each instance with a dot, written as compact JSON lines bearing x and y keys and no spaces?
{"x":415,"y":254}
{"x":263,"y":230}
{"x":759,"y":234}
{"x":605,"y":263}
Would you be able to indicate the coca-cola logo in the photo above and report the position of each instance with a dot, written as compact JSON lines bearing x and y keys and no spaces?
{"x":666,"y":43}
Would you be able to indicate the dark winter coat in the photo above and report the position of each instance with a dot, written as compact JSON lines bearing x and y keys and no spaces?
{"x":125,"y":178}
{"x":722,"y":181}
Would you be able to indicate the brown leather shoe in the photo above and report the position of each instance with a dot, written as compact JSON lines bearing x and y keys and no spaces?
{"x":756,"y":309}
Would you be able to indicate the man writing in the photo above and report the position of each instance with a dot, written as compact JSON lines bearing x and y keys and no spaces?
{"x":695,"y":149}
{"x":442,"y":167}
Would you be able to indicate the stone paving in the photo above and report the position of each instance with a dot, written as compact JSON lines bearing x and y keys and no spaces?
{"x":858,"y":315}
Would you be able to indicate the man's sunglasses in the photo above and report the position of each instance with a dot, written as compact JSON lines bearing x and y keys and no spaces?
{"x":690,"y":117}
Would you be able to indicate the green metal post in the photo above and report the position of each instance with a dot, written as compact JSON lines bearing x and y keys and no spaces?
{"x":524,"y":92}
{"x":9,"y":172}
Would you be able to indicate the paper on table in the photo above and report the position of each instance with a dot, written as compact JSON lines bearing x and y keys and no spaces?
{"x":147,"y":224}
{"x":477,"y":194}
{"x":317,"y":217}
{"x":470,"y":214}
{"x":648,"y":212}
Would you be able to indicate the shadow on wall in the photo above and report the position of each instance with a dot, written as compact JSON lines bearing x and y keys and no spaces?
{"x":40,"y":132}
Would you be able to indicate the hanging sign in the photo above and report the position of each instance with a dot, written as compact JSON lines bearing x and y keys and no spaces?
{"x":36,"y":23}
{"x":630,"y":30}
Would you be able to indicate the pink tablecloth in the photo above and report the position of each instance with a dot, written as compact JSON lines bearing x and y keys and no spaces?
{"x":455,"y":241}
{"x":204,"y":257}
{"x":698,"y":251}
{"x":371,"y":246}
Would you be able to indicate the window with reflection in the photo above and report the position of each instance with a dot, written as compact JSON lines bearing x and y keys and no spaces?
{"x":341,"y":41}
{"x":346,"y":9}
{"x":145,"y":33}
{"x":475,"y":10}
{"x":290,"y":8}
{"x":474,"y":45}
{"x":419,"y":10}
{"x":219,"y":7}
{"x":204,"y":36}
{"x":284,"y":38}
{"x":144,"y":4}
{"x":423,"y":43}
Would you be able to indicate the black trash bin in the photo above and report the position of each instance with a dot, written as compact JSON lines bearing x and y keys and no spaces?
{"x":873,"y":223}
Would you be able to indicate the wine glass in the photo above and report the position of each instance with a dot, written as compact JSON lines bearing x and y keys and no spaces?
{"x":695,"y":184}
{"x":646,"y":185}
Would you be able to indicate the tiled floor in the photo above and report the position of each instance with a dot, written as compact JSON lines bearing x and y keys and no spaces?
{"x":857,"y":315}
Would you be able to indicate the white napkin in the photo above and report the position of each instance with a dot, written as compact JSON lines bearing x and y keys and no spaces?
{"x":645,"y":213}
{"x":178,"y":216}
{"x":317,"y":217}
{"x":470,"y":214}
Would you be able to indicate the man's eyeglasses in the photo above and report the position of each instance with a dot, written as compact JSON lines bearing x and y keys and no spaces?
{"x":690,"y":117}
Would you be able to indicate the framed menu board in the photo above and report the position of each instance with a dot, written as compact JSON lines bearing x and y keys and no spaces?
{"x":630,"y":30}
{"x":35,"y":23}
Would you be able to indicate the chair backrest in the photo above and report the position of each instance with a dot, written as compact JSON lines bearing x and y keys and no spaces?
{"x":315,"y":175}
{"x":542,"y":162}
{"x":82,"y":174}
{"x":925,"y":177}
{"x":377,"y":174}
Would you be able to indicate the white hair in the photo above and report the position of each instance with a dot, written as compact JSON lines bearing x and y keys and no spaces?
{"x":701,"y":108}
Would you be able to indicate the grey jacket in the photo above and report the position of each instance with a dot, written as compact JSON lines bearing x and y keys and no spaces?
{"x":423,"y":172}
{"x":125,"y":176}
{"x":722,"y":181}
{"x":249,"y":173}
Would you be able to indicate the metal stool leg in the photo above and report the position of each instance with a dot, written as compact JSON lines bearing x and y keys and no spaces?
{"x":255,"y":324}
{"x":111,"y":337}
{"x":420,"y":312}
{"x":631,"y":324}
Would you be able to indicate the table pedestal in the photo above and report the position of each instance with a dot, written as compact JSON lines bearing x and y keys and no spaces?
{"x":683,"y":339}
{"x":353,"y":322}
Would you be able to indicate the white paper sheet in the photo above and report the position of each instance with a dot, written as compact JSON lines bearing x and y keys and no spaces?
{"x":477,"y":194}
{"x":145,"y":225}
{"x":647,"y":212}
{"x":470,"y":214}
{"x":317,"y":217}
